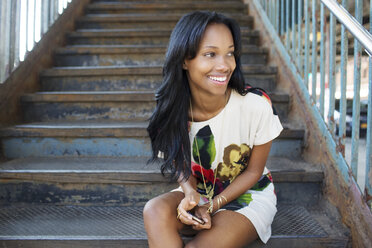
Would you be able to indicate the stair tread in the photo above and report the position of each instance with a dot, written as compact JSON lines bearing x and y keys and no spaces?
{"x":137,"y":32}
{"x":110,"y":96}
{"x":132,"y":169}
{"x":135,"y":70}
{"x":102,"y":129}
{"x":132,"y":165}
{"x":164,"y":5}
{"x":153,"y":17}
{"x":126,"y":49}
{"x":119,"y":223}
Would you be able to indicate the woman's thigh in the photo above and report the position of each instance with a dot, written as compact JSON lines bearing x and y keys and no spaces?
{"x":229,"y":229}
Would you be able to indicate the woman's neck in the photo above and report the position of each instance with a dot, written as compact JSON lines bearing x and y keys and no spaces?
{"x":205,"y":108}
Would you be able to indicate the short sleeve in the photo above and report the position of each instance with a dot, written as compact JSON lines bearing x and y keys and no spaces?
{"x":264,"y":122}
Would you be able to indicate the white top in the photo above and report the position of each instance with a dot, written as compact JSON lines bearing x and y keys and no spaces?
{"x":225,"y":143}
{"x":245,"y":121}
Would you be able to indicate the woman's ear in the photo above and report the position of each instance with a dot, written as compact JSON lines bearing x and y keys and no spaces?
{"x":184,"y":65}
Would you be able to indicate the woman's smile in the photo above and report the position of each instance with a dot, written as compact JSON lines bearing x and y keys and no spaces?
{"x":219,"y":80}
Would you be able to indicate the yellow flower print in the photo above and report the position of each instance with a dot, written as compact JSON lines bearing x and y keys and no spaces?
{"x":235,"y":160}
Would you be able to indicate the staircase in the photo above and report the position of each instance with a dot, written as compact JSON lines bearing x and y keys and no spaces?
{"x":75,"y":172}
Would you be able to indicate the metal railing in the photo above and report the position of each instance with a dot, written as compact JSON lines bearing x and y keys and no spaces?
{"x":313,"y":40}
{"x":22,"y":24}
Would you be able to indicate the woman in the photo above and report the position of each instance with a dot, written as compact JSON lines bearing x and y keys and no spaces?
{"x":214,"y":135}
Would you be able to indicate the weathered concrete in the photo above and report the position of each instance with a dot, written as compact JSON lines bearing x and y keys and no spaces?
{"x":164,"y":8}
{"x":153,"y":36}
{"x":146,"y":21}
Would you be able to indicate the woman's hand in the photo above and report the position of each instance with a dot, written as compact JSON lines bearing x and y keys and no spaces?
{"x":189,"y":202}
{"x":202,"y":213}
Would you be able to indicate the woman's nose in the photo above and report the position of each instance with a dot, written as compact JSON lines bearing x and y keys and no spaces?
{"x":222,"y":64}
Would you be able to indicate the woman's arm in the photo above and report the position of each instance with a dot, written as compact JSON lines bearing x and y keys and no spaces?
{"x":248,"y":178}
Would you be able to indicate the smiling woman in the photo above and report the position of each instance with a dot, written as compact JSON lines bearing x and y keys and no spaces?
{"x":210,"y":71}
{"x":214,"y":135}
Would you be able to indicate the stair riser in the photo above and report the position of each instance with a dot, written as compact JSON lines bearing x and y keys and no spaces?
{"x":132,"y":194}
{"x":135,"y":59}
{"x":253,"y":40}
{"x":85,"y":24}
{"x":101,"y":83}
{"x":109,"y":147}
{"x":124,"y":82}
{"x":123,"y":111}
{"x":161,"y":11}
{"x":72,"y":111}
{"x":79,"y":193}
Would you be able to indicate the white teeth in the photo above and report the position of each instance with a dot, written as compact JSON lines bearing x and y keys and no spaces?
{"x":219,"y":79}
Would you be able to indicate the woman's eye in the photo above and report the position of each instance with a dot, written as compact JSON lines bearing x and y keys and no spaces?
{"x":209,"y":54}
{"x":230,"y":54}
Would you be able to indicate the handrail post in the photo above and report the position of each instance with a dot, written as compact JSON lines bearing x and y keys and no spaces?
{"x":322,"y":59}
{"x":314,"y":52}
{"x":299,"y":36}
{"x":14,"y":34}
{"x":368,"y":178}
{"x":356,"y":98}
{"x":332,"y":68}
{"x":306,"y":70}
{"x":5,"y":12}
{"x":342,"y":106}
{"x":293,"y":29}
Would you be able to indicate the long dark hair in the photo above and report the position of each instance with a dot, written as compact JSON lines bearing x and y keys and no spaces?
{"x":168,"y":127}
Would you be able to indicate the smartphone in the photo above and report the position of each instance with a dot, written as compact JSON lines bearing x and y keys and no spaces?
{"x":200,"y":221}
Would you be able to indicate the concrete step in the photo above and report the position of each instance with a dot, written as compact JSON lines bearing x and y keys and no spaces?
{"x":142,"y":55}
{"x":153,"y":36}
{"x":109,"y":105}
{"x":123,"y":78}
{"x":162,"y":1}
{"x":165,"y":7}
{"x":116,"y":226}
{"x":105,"y":138}
{"x":135,"y":21}
{"x":70,"y":106}
{"x":129,"y":181}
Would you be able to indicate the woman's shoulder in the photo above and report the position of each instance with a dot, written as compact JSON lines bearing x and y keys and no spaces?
{"x":254,"y":98}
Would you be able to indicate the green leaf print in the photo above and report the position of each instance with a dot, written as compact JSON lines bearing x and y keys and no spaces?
{"x":206,"y":145}
{"x":245,"y":199}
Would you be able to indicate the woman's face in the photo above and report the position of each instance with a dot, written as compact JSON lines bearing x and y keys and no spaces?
{"x":210,"y":71}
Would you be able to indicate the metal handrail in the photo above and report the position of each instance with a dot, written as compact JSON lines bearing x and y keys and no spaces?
{"x":351,"y":24}
{"x":13,"y":48}
{"x":299,"y":50}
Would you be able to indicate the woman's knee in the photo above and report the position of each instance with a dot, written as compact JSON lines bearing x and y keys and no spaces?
{"x":191,"y":244}
{"x":157,"y":209}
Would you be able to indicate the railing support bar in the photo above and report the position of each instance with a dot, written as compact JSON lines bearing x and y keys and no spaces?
{"x":344,"y":55}
{"x":356,"y":98}
{"x":332,"y":69}
{"x":299,"y":35}
{"x":314,"y":52}
{"x":368,"y":178}
{"x":322,"y":59}
{"x":306,"y":62}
